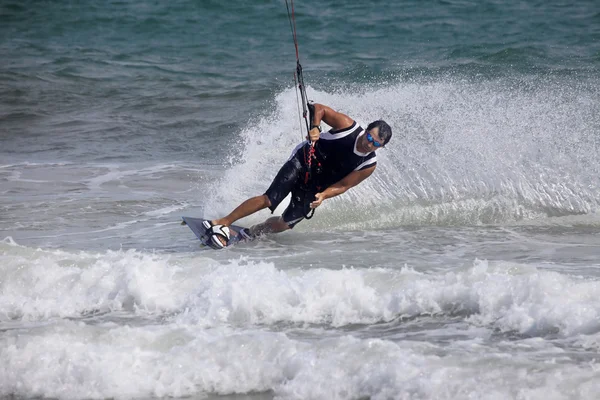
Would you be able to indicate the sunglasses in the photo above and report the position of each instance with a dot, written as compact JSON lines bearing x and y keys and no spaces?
{"x":371,"y":140}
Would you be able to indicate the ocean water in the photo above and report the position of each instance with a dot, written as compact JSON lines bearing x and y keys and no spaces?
{"x":466,"y":267}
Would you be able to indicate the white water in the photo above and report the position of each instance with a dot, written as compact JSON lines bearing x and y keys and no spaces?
{"x":131,"y":324}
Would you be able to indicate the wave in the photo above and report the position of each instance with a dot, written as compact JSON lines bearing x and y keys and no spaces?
{"x":70,"y":362}
{"x":129,"y":324}
{"x":187,"y":325}
{"x":193,"y":290}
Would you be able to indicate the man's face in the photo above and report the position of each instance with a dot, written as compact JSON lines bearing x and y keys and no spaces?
{"x":372,"y":140}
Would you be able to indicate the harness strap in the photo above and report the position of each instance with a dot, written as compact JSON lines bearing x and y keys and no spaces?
{"x":309,"y":156}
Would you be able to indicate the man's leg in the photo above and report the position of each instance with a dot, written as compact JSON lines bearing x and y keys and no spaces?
{"x":248,"y":207}
{"x":271,"y":225}
{"x":281,"y":186}
{"x":293,"y":214}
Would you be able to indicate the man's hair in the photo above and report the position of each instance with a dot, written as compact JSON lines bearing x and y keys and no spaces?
{"x":385,"y":131}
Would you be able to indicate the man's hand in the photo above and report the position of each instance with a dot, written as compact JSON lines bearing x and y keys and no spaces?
{"x":319,"y":197}
{"x":314,"y":134}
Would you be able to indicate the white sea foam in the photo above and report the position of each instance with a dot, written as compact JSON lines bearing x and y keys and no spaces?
{"x":72,"y":360}
{"x":190,"y":325}
{"x":377,"y":369}
{"x":39,"y":284}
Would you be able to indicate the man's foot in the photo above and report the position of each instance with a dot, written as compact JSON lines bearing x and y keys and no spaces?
{"x":218,"y":235}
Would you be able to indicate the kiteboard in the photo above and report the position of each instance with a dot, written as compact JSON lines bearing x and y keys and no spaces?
{"x":195,"y":224}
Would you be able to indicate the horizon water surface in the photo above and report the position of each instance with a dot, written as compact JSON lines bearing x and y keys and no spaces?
{"x":467,"y":266}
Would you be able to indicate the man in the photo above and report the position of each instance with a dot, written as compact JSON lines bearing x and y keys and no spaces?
{"x":326,"y":166}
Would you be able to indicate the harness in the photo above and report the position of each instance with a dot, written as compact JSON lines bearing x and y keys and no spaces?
{"x":312,"y":167}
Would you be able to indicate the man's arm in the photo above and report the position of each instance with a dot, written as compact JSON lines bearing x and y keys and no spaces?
{"x":349,"y":181}
{"x":331,"y":117}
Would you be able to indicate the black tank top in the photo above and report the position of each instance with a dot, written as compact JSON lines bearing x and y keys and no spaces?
{"x":336,"y":150}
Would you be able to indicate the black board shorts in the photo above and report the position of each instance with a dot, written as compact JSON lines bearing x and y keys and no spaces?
{"x":290,"y":178}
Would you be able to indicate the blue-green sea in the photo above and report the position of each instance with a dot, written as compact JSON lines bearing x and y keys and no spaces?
{"x":466,"y":267}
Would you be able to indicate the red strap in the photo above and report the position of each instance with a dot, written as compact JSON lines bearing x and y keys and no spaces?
{"x":309,"y":158}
